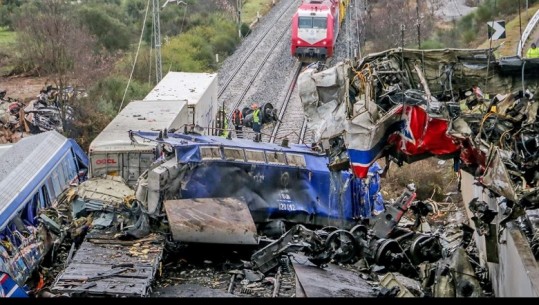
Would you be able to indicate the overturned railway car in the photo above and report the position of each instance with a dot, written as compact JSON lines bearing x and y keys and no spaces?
{"x":280,"y":185}
{"x":33,"y":173}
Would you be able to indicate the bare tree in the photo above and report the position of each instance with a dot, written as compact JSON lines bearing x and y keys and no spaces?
{"x":53,"y":43}
{"x":386,"y":18}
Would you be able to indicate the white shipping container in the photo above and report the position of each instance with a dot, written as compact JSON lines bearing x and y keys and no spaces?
{"x":113,"y":153}
{"x":198,"y":89}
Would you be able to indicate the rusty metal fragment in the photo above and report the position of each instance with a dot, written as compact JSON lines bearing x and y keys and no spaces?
{"x":211,"y":220}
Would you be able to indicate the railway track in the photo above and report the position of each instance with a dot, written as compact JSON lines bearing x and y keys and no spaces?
{"x":290,"y":113}
{"x":234,"y":90}
{"x":292,"y":123}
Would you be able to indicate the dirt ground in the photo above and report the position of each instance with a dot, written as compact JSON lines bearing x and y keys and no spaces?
{"x":23,"y":88}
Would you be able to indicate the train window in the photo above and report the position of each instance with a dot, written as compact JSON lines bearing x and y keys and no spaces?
{"x":276,"y":157}
{"x":71,"y":168}
{"x":30,"y":211}
{"x":296,"y":160}
{"x":255,"y":156}
{"x":319,"y":23}
{"x":63,"y":166}
{"x":54,"y":183}
{"x":61,"y":176}
{"x":305,"y":22}
{"x":45,"y":198}
{"x":234,"y":154}
{"x":210,"y":153}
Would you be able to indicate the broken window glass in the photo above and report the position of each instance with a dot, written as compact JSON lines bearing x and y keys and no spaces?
{"x":234,"y":154}
{"x":210,"y":153}
{"x":276,"y":157}
{"x":296,"y":160}
{"x":255,"y":156}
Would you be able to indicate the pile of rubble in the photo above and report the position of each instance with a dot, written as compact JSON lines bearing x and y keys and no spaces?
{"x":117,"y":251}
{"x":39,"y":115}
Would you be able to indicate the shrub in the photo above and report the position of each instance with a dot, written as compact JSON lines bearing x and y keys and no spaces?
{"x":430,"y":179}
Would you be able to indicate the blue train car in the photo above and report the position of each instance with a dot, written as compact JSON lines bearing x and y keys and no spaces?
{"x":33,"y":173}
{"x":292,"y":184}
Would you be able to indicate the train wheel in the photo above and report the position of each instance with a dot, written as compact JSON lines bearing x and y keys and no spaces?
{"x":342,"y":245}
{"x":267,"y":113}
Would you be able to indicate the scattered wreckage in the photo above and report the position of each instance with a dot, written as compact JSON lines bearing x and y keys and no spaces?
{"x":466,"y":105}
{"x":39,"y":115}
{"x":117,"y":250}
{"x":33,"y":173}
{"x":407,"y":105}
{"x":183,"y":197}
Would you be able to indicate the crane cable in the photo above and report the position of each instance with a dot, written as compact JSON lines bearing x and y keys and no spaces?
{"x":136,"y":55}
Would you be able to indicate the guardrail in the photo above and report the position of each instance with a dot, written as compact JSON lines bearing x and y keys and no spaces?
{"x":527,"y":32}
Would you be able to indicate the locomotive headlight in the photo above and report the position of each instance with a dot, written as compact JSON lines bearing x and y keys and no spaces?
{"x":324,"y":42}
{"x":299,"y":42}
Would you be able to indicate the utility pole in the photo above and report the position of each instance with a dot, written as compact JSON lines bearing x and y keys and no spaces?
{"x":418,"y":25}
{"x":238,"y":6}
{"x":520,"y":25}
{"x":402,"y":46}
{"x":157,"y":40}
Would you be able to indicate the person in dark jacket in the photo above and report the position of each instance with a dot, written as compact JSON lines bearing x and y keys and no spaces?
{"x":237,"y":120}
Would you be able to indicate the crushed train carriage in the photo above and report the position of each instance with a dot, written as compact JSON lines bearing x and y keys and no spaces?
{"x":34,"y":172}
{"x":467,"y":105}
{"x":278,"y":185}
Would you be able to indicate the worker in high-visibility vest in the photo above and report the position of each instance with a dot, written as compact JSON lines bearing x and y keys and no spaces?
{"x":533,"y":52}
{"x":226,"y":133}
{"x":256,"y":122}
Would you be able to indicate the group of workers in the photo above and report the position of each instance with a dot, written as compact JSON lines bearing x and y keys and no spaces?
{"x":237,"y":121}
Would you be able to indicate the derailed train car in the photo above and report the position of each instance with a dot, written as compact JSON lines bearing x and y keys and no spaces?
{"x":34,"y":172}
{"x":280,"y":185}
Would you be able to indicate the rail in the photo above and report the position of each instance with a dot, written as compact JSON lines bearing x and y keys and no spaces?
{"x":527,"y":31}
{"x":286,"y":102}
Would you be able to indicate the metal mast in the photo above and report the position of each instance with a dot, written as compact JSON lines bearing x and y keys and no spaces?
{"x":157,"y":40}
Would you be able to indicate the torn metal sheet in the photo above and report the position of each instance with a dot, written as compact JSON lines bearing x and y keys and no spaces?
{"x":497,"y":178}
{"x":211,"y":220}
{"x":456,"y":277}
{"x":110,"y":189}
{"x":332,"y":281}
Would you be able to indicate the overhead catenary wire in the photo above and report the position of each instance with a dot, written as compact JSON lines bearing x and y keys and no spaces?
{"x":136,"y":54}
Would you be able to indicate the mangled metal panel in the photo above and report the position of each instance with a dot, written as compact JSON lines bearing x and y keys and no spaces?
{"x":109,"y":267}
{"x":110,"y":189}
{"x":43,"y":117}
{"x":322,"y":95}
{"x":496,"y":176}
{"x":412,"y":104}
{"x":211,"y":220}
